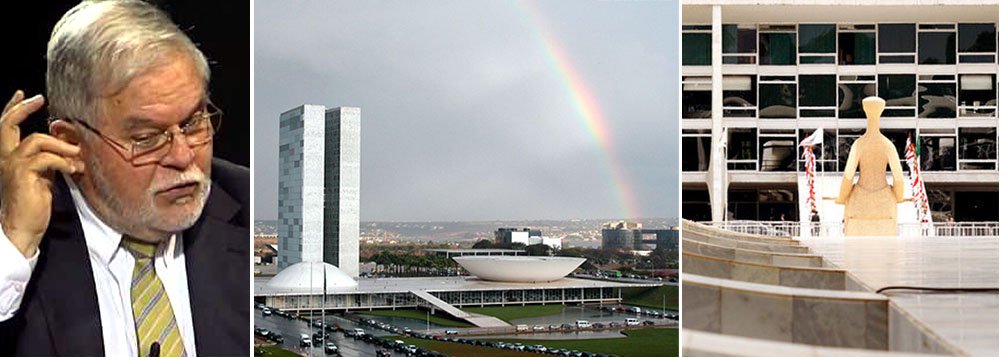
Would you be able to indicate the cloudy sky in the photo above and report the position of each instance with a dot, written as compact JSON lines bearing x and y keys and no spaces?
{"x":482,"y":110}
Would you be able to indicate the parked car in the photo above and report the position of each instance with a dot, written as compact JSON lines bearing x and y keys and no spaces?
{"x":451,"y":332}
{"x":266,"y":312}
{"x":648,"y":323}
{"x":276,"y":337}
{"x":330,"y":348}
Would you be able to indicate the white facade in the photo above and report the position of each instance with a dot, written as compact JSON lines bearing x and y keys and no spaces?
{"x":318,"y":187}
{"x":748,"y":98}
{"x":520,"y":237}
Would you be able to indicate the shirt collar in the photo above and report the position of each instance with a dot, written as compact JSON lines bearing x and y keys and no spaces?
{"x":102,"y":240}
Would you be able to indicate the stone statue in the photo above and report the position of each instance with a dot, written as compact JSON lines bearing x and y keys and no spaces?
{"x":871,"y":203}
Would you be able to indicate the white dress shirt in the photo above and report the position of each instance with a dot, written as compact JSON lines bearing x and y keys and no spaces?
{"x":112,"y":265}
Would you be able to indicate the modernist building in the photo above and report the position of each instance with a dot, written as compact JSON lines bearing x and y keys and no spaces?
{"x":630,"y":236}
{"x":759,"y":76}
{"x":508,"y":236}
{"x":318,"y":186}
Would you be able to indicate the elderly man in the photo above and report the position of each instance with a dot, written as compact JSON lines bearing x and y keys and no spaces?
{"x":121,"y":235}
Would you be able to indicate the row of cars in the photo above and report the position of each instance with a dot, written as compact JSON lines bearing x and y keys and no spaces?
{"x":500,"y":345}
{"x":583,"y":324}
{"x":641,"y":312}
{"x":269,"y":335}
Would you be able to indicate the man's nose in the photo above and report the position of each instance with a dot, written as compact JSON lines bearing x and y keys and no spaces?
{"x":179,"y":155}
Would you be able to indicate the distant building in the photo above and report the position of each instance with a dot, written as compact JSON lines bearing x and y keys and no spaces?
{"x":667,"y":238}
{"x":508,"y":236}
{"x":318,"y":186}
{"x":621,"y":235}
{"x":629,"y":236}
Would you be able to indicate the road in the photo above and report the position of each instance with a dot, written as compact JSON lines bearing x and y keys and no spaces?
{"x":292,"y":329}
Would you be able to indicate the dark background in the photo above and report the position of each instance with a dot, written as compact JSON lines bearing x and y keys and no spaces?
{"x":221,"y":29}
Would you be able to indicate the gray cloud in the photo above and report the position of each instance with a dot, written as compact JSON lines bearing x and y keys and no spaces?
{"x":464,"y":116}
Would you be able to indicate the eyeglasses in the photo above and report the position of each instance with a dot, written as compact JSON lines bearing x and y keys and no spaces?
{"x":144,"y":149}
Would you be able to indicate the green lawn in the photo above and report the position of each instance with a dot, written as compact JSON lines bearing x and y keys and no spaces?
{"x":508,"y":313}
{"x":641,"y":342}
{"x":273,"y":352}
{"x":440,"y":318}
{"x":652,"y":298}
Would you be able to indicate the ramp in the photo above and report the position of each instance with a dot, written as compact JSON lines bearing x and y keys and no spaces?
{"x":475,"y":319}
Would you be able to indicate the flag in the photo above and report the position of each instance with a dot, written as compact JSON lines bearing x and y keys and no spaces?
{"x":815,"y":139}
{"x":912,"y":156}
{"x":810,"y":158}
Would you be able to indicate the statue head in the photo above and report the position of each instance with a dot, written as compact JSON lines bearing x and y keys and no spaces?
{"x":873,"y":109}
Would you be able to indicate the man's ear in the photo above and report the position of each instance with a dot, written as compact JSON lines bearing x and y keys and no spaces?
{"x":65,"y":131}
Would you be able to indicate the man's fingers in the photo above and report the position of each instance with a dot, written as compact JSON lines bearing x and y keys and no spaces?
{"x":38,"y":142}
{"x":46,"y":161}
{"x":17,"y":97}
{"x":10,"y":133}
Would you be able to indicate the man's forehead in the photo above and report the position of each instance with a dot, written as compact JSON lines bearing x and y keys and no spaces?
{"x":165,"y":93}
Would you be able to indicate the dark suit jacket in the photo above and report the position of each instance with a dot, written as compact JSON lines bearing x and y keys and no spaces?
{"x":59,"y":314}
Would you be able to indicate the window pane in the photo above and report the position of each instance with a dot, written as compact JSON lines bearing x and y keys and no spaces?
{"x":898,"y":90}
{"x":739,"y":39}
{"x":778,"y":100}
{"x":777,"y":49}
{"x":818,"y":59}
{"x":844,"y":147}
{"x":977,"y":143}
{"x":937,"y":153}
{"x":977,"y":38}
{"x":897,"y":38}
{"x":937,"y":48}
{"x":697,"y":104}
{"x":742,"y":144}
{"x":977,"y":89}
{"x":697,"y":49}
{"x":936,"y":100}
{"x":739,"y":91}
{"x":857,"y":48}
{"x":696,"y":150}
{"x":818,"y":91}
{"x":896,"y":59}
{"x":777,"y":154}
{"x":851,"y":95}
{"x":817,"y":38}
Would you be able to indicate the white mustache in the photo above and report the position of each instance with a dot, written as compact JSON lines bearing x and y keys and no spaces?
{"x":188,"y":177}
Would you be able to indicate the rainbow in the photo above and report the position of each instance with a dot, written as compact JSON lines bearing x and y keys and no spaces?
{"x":587,"y":107}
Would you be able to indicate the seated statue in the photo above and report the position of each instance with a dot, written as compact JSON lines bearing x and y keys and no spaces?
{"x":871,"y":203}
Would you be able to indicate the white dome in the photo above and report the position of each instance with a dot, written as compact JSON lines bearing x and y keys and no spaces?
{"x":308,"y":276}
{"x":519,"y":269}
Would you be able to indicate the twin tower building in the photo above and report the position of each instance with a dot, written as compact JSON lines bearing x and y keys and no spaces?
{"x":319,"y":180}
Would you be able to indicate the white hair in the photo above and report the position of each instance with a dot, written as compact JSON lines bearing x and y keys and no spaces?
{"x":98,"y":47}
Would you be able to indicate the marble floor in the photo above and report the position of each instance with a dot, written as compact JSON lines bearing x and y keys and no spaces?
{"x":968,"y":322}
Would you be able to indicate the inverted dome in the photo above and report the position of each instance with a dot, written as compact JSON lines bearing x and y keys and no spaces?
{"x":519,"y":269}
{"x":308,"y":276}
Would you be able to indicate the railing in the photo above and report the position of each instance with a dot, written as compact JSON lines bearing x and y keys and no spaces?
{"x":821,"y":229}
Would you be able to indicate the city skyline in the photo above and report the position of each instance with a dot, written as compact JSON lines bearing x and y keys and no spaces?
{"x":551,"y":88}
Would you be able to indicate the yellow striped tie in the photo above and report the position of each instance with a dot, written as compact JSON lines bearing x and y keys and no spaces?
{"x":154,"y":319}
